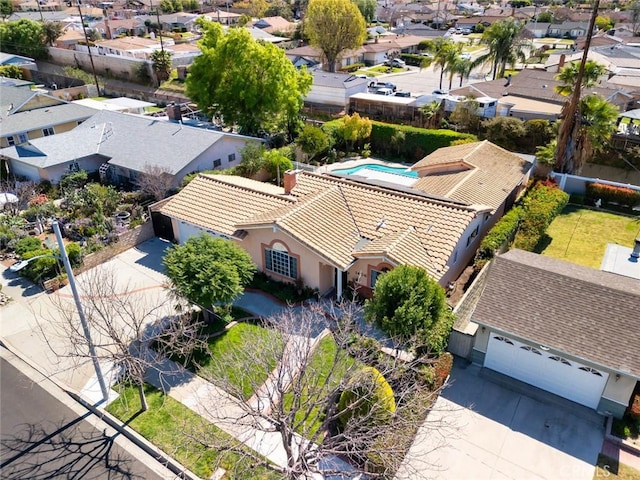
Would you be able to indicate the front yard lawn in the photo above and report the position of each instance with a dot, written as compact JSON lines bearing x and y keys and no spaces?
{"x":610,"y":468}
{"x":168,"y":424}
{"x":320,"y":366}
{"x":581,"y":235}
{"x":221,"y":365}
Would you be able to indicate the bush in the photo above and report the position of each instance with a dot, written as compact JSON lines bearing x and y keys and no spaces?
{"x":418,"y":141}
{"x":412,"y":59}
{"x":74,"y":252}
{"x":368,"y":395}
{"x":610,"y":193}
{"x":540,"y":206}
{"x":506,"y":132}
{"x":442,"y":368}
{"x":27,"y":244}
{"x":503,"y":231}
{"x":352,"y":68}
{"x":40,"y":269}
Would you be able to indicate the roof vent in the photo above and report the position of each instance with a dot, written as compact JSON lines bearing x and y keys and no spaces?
{"x":381,"y":223}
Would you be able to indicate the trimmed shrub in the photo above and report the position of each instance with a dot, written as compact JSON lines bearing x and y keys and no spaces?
{"x":418,"y":142}
{"x":368,"y":395}
{"x":412,"y":59}
{"x":40,"y":269}
{"x":610,"y":193}
{"x":502,"y":232}
{"x":27,"y":244}
{"x":352,"y":68}
{"x":540,"y":206}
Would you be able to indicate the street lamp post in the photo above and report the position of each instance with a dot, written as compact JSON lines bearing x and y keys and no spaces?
{"x":76,"y":297}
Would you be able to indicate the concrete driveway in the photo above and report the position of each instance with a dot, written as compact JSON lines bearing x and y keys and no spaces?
{"x":480,"y":430}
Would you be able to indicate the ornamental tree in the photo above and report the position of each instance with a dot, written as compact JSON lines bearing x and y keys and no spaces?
{"x":250,"y":84}
{"x":407,"y":303}
{"x":209,"y":271}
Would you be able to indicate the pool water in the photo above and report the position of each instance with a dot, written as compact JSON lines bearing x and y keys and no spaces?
{"x":379,"y":168}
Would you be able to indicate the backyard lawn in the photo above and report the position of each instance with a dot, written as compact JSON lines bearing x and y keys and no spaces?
{"x":610,"y":468}
{"x":580,"y":235}
{"x":167,"y":423}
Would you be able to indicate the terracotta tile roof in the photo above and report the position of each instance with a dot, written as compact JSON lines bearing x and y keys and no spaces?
{"x":330,"y":216}
{"x":438,"y":225}
{"x":483,"y":173}
{"x":220,"y":202}
{"x":402,"y":247}
{"x":584,"y":312}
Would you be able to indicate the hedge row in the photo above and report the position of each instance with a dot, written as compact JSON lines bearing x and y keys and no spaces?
{"x":352,"y":68}
{"x":610,"y":193}
{"x":417,"y":142}
{"x":502,"y":232}
{"x":412,"y":59}
{"x":541,"y":205}
{"x":527,"y":222}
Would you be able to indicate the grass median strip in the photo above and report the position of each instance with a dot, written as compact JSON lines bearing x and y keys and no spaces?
{"x":177,"y":431}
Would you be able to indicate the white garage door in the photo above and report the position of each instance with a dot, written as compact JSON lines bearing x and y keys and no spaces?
{"x":553,"y":373}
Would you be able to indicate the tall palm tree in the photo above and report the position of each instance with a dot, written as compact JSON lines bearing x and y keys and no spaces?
{"x":444,"y":51}
{"x":505,"y":45}
{"x":568,"y":76}
{"x":463,"y":68}
{"x":431,"y":113}
{"x":452,"y":56}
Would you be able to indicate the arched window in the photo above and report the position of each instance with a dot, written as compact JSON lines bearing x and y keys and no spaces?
{"x":278,"y":260}
{"x":564,"y":361}
{"x":590,"y":370}
{"x":504,"y":339}
{"x":531,"y":349}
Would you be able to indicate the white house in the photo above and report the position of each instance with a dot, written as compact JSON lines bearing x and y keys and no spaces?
{"x":334,"y":88}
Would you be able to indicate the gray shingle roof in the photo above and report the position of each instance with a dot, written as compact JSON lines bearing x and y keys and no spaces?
{"x":44,"y":117}
{"x":587,"y":313}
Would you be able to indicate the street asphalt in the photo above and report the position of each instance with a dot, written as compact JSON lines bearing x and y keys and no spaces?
{"x":46,"y":435}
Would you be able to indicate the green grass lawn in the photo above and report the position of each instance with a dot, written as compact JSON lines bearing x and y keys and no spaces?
{"x":237,"y":339}
{"x":611,"y":468}
{"x":385,"y":69}
{"x":580,"y":235}
{"x":167,"y":424}
{"x":320,"y":369}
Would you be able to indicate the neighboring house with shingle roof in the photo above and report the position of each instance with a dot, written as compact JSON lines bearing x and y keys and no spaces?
{"x":479,"y":173}
{"x":328,"y":231}
{"x":275,"y":25}
{"x":26,"y":115}
{"x":565,"y":328}
{"x":123,"y":146}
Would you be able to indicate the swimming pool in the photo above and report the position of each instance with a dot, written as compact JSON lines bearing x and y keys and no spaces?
{"x":377,"y":168}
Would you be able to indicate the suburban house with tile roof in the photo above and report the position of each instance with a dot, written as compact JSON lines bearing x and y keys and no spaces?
{"x":329,"y":232}
{"x":564,"y":328}
{"x":26,"y":114}
{"x":121,"y":146}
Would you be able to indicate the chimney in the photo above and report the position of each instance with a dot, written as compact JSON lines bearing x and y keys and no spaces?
{"x":290,"y":180}
{"x":635,"y":255}
{"x":561,"y":62}
{"x":174,"y":112}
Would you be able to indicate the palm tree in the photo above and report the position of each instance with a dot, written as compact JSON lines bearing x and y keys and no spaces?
{"x":444,"y":51}
{"x":431,"y":113}
{"x":453,"y":58}
{"x":569,"y":75}
{"x":463,"y":68}
{"x":505,"y":45}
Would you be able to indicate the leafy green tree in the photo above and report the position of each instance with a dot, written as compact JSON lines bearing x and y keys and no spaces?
{"x":545,"y":17}
{"x":367,"y":9}
{"x":354,"y":128}
{"x":23,"y":37}
{"x":279,"y":8}
{"x":313,"y":140}
{"x":276,"y":163}
{"x":52,"y":31}
{"x":209,"y":271}
{"x":506,"y":132}
{"x":604,"y":22}
{"x":334,"y":26}
{"x":407,"y":303}
{"x":251,"y":159}
{"x":545,"y":154}
{"x":6,"y":8}
{"x":10,"y":71}
{"x":368,"y":395}
{"x":250,"y":84}
{"x":162,"y":64}
{"x":505,"y":45}
{"x":465,"y":115}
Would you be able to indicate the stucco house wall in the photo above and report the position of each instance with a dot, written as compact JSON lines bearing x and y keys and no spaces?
{"x":38,"y":133}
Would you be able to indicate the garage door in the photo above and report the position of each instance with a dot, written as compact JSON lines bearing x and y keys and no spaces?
{"x":542,"y":369}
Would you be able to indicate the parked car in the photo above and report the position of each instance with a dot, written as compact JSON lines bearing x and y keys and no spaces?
{"x":439,"y":91}
{"x":395,"y":62}
{"x":379,"y":85}
{"x":384,"y":91}
{"x":370,"y":80}
{"x":403,"y":94}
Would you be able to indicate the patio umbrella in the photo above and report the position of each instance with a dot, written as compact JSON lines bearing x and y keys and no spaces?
{"x":6,"y":197}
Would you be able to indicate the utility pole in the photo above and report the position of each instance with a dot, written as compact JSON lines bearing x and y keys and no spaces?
{"x":83,"y":319}
{"x":86,"y":39}
{"x":572,"y":117}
